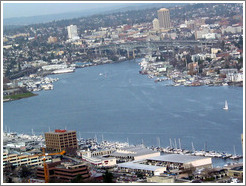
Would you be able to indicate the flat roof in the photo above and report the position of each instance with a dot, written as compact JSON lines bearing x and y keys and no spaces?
{"x":65,"y":132}
{"x":132,"y":165}
{"x":177,"y":158}
{"x":133,"y":151}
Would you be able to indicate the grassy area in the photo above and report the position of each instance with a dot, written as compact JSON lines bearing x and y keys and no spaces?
{"x":19,"y":96}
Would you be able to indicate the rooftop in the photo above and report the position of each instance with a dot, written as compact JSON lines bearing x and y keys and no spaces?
{"x":59,"y":131}
{"x":178,"y":158}
{"x":132,"y":165}
{"x":163,"y":9}
{"x":133,"y":151}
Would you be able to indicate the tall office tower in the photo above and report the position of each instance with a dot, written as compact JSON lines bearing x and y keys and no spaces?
{"x":60,"y":140}
{"x":72,"y":32}
{"x":164,"y":18}
{"x":156,"y":24}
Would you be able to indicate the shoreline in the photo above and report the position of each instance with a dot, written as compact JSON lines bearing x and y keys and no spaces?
{"x":157,"y":80}
{"x":18,"y":96}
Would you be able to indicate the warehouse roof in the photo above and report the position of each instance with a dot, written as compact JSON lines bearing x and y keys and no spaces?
{"x":133,"y":151}
{"x":177,"y":158}
{"x":131,"y":165}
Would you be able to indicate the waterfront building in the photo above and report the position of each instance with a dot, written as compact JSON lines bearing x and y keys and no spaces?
{"x":164,"y":18}
{"x":60,"y":140}
{"x":137,"y":167}
{"x":65,"y":171}
{"x":72,"y":32}
{"x":99,"y":161}
{"x":156,"y":25}
{"x":179,"y":161}
{"x":54,"y":67}
{"x":134,"y":153}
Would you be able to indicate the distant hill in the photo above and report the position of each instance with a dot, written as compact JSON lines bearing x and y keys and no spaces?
{"x":22,"y":21}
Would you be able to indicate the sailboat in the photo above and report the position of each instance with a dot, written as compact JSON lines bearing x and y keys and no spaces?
{"x":226,"y":106}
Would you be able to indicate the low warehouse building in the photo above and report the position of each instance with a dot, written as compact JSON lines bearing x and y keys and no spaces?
{"x":178,"y":161}
{"x":134,"y":153}
{"x":137,"y":167}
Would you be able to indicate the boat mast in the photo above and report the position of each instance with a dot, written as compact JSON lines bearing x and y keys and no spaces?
{"x":205,"y":146}
{"x":102,"y":138}
{"x":170,"y":143}
{"x":193,"y":148}
{"x":179,"y":144}
{"x":96,"y":138}
{"x":175,"y":143}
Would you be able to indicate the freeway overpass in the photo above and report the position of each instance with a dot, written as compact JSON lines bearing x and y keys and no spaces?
{"x":155,"y":45}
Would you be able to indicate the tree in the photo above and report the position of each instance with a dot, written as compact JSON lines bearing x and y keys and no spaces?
{"x":108,"y":177}
{"x":25,"y":171}
{"x":78,"y":179}
{"x":222,"y":45}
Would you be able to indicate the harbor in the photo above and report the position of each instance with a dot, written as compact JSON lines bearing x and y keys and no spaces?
{"x":32,"y":143}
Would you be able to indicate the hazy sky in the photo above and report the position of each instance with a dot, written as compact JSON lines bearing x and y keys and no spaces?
{"x":33,"y":9}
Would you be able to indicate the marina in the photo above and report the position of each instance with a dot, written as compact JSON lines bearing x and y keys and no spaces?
{"x":14,"y":141}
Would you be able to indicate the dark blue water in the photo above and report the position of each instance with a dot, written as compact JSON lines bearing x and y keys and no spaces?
{"x":123,"y":104}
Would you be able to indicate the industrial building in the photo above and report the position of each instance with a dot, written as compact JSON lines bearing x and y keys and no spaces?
{"x":133,"y":153}
{"x":65,"y":171}
{"x":98,"y":158}
{"x":61,"y":140}
{"x":178,"y":161}
{"x":150,"y":170}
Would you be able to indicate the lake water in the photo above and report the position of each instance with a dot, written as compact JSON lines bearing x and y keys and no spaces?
{"x":115,"y":102}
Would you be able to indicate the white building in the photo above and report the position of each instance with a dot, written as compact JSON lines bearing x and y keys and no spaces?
{"x":134,"y":153}
{"x":156,"y":25}
{"x":54,"y":67}
{"x":231,"y":29}
{"x":209,"y":36}
{"x":175,"y":161}
{"x":134,"y":166}
{"x":234,"y":77}
{"x":215,"y":50}
{"x":98,"y":158}
{"x":72,"y":32}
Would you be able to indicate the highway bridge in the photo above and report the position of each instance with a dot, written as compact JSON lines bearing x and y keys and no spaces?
{"x":156,"y":45}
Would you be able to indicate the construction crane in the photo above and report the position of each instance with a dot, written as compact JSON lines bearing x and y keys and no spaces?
{"x":46,"y":171}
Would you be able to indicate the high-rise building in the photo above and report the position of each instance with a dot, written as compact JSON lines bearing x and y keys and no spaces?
{"x":156,"y":25}
{"x":164,"y":18}
{"x":72,"y":32}
{"x":61,"y":140}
